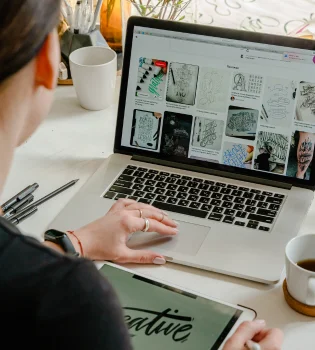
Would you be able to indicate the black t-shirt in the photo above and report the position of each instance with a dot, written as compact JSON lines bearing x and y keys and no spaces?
{"x":53,"y":301}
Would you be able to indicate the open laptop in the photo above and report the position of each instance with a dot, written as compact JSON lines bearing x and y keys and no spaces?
{"x":217,"y":128}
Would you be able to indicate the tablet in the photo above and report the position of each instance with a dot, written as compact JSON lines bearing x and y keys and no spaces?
{"x":163,"y":316}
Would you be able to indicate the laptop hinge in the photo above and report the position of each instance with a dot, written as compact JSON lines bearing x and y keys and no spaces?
{"x":214,"y":172}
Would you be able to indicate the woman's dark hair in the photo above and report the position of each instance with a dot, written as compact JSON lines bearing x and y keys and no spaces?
{"x":24,"y":26}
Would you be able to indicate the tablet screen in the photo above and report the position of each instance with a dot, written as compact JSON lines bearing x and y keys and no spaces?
{"x":162,"y":317}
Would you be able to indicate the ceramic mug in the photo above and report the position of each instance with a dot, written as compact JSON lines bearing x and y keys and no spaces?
{"x":94,"y":71}
{"x":300,"y":282}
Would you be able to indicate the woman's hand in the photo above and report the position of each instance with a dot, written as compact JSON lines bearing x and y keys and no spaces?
{"x":255,"y":331}
{"x":106,"y":238}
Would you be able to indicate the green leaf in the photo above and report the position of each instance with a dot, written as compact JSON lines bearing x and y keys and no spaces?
{"x":181,"y":18}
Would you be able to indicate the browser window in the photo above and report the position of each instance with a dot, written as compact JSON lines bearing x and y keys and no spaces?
{"x":231,"y":102}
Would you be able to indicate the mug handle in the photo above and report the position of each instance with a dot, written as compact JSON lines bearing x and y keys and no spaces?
{"x":310,"y":299}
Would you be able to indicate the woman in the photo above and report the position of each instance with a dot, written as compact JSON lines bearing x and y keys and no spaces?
{"x":49,"y":299}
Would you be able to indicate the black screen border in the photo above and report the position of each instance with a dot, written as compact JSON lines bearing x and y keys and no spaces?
{"x":234,"y":34}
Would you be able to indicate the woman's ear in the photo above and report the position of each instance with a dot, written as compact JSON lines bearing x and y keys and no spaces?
{"x":47,"y":62}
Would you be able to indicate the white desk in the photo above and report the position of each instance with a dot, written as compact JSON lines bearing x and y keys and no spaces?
{"x":72,"y":143}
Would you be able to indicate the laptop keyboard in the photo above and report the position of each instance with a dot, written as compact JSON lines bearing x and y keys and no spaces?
{"x":217,"y":201}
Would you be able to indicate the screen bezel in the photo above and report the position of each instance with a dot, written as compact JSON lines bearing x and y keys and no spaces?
{"x":279,"y":40}
{"x":242,"y":313}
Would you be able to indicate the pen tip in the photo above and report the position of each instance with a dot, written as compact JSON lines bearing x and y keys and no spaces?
{"x":76,"y":180}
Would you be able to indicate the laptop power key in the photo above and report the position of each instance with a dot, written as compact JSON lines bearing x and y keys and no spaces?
{"x":181,"y":210}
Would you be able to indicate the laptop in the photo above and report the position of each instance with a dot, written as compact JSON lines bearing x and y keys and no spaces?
{"x":217,"y":128}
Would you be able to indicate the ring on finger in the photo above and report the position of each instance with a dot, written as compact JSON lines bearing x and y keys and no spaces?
{"x":140,"y":212}
{"x":163,"y":216}
{"x":146,"y":225}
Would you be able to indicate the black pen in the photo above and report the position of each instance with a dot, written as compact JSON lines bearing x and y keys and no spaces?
{"x":173,"y":76}
{"x":21,"y":195}
{"x":18,"y":206}
{"x":19,"y":218}
{"x":46,"y":198}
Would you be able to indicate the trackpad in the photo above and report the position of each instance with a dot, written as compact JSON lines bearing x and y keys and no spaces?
{"x":187,"y":241}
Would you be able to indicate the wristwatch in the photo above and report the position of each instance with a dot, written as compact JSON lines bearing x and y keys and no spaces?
{"x":61,"y":238}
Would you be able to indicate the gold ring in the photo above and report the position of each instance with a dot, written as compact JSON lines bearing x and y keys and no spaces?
{"x":140,"y":211}
{"x":146,"y":225}
{"x":162,"y":217}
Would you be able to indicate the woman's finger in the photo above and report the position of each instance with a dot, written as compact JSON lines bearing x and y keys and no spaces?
{"x":154,"y":226}
{"x":141,"y":257}
{"x":137,"y":205}
{"x":122,"y":203}
{"x":154,"y":214}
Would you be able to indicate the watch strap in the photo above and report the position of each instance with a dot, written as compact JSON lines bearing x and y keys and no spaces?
{"x":62,"y":240}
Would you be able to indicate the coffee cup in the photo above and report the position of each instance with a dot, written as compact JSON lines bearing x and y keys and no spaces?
{"x":300,"y":268}
{"x":93,"y":71}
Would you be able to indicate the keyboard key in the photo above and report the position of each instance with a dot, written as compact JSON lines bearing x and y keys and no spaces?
{"x":277,"y":195}
{"x":120,"y":195}
{"x":208,"y":182}
{"x":170,"y":193}
{"x":120,"y":189}
{"x":265,"y":193}
{"x":259,"y":197}
{"x":140,"y":180}
{"x":128,"y":172}
{"x":175,"y":176}
{"x":181,"y":182}
{"x":126,"y":178}
{"x":137,"y":187}
{"x":263,"y":205}
{"x":143,"y":169}
{"x":192,"y":184}
{"x":241,"y":214}
{"x":255,"y":191}
{"x":172,"y":187}
{"x":215,"y":202}
{"x":139,"y":194}
{"x":150,"y":196}
{"x":196,"y":179}
{"x":274,"y":206}
{"x":218,"y":210}
{"x":239,"y":207}
{"x":227,"y":205}
{"x":228,"y":219}
{"x":193,"y":198}
{"x":152,"y":171}
{"x":239,"y":223}
{"x":233,"y":187}
{"x":149,"y":176}
{"x":203,"y":186}
{"x":250,"y":209}
{"x":215,"y":189}
{"x":181,"y":195}
{"x":251,"y":202}
{"x":263,"y":228}
{"x":194,"y":205}
{"x":181,"y":210}
{"x":230,"y":212}
{"x":204,"y":200}
{"x":183,"y":189}
{"x":221,"y":184}
{"x":126,"y":184}
{"x":244,"y":189}
{"x":216,"y":195}
{"x":138,"y":173}
{"x":159,"y":178}
{"x":150,"y":183}
{"x":170,"y":180}
{"x":172,"y":200}
{"x":215,"y":217}
{"x":251,"y":225}
{"x":159,"y":191}
{"x":194,"y":191}
{"x":206,"y":207}
{"x":132,"y":167}
{"x":163,"y":173}
{"x":236,"y":193}
{"x":248,"y":195}
{"x":145,"y":200}
{"x":239,"y":200}
{"x":260,"y":218}
{"x":161,"y":184}
{"x":267,"y":212}
{"x":205,"y":193}
{"x":133,"y":198}
{"x":110,"y":195}
{"x":161,"y":198}
{"x":227,"y":198}
{"x":188,"y":178}
{"x":183,"y":202}
{"x":274,"y":200}
{"x":225,"y":190}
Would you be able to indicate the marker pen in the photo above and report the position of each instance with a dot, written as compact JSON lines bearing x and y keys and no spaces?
{"x":148,"y":61}
{"x":140,"y":80}
{"x":144,"y":71}
{"x":156,"y":71}
{"x":146,"y":66}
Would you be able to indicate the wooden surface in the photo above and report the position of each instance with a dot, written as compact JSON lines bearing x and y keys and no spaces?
{"x":72,"y":143}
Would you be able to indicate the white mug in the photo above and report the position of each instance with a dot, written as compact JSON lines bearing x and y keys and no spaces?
{"x":94,"y":71}
{"x":300,"y":282}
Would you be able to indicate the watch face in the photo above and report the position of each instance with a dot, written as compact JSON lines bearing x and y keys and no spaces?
{"x":54,"y":234}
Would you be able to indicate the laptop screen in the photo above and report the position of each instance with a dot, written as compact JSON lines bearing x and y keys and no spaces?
{"x":220,"y":102}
